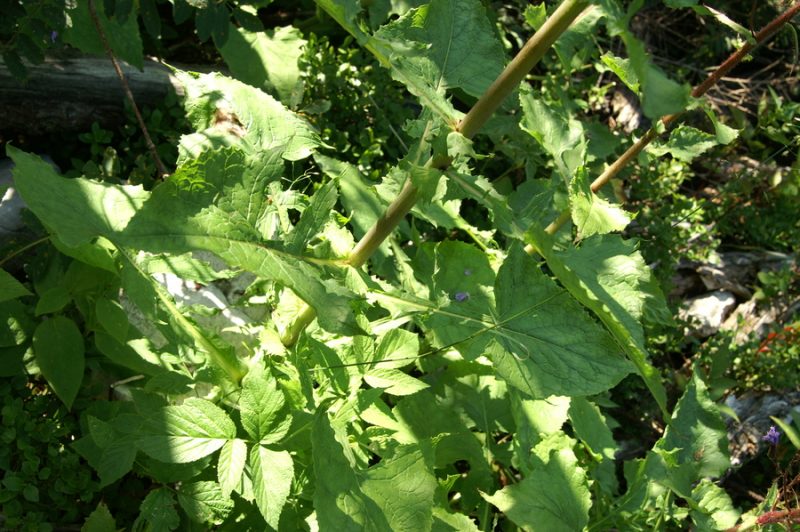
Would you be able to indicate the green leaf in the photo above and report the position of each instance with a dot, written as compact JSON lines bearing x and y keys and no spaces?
{"x":697,"y":432}
{"x":261,"y":406}
{"x":393,"y":381}
{"x":123,"y":38}
{"x":540,"y":341}
{"x":53,"y":300}
{"x":58,"y":345}
{"x":660,"y":95}
{"x":272,"y":473}
{"x":592,"y":274}
{"x":267,"y":60}
{"x":395,"y":494}
{"x":553,"y":497}
{"x":559,"y":133}
{"x":725,"y":134}
{"x":686,"y":143}
{"x":100,"y":520}
{"x":623,"y":69}
{"x":227,"y":112}
{"x":18,"y":323}
{"x":590,"y":427}
{"x":204,"y":502}
{"x":117,"y":451}
{"x":313,"y":218}
{"x":185,"y":433}
{"x":10,"y":288}
{"x":78,"y":210}
{"x":158,"y":511}
{"x":443,"y":521}
{"x":135,"y":354}
{"x":715,"y":509}
{"x":550,"y":346}
{"x":345,"y":13}
{"x":112,"y":318}
{"x":445,"y":44}
{"x":232,"y":458}
{"x":592,"y":214}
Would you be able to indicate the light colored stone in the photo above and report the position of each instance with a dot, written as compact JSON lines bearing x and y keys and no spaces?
{"x":707,"y":312}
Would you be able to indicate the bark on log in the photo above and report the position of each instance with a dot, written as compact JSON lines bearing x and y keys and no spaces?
{"x":67,"y":95}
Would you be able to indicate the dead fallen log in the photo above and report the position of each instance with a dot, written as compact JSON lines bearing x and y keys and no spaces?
{"x":67,"y":95}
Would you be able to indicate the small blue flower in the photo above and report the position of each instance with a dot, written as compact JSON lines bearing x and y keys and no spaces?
{"x":461,"y":296}
{"x":53,"y":36}
{"x":772,"y":436}
{"x":467,"y":272}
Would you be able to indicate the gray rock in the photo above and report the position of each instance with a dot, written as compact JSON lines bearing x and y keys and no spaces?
{"x":707,"y":312}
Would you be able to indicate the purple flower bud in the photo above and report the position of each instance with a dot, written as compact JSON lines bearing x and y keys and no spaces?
{"x":53,"y":36}
{"x":461,"y":296}
{"x":772,"y":436}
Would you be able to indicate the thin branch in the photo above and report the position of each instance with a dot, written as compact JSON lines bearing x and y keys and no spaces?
{"x":160,"y":168}
{"x":733,"y":60}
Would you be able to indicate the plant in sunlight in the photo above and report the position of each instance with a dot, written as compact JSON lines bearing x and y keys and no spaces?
{"x":389,"y":381}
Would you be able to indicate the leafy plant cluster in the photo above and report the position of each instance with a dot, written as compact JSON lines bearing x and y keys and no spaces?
{"x":386,"y":372}
{"x":44,"y":481}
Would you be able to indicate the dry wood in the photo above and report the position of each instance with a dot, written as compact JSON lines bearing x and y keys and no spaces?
{"x":67,"y":95}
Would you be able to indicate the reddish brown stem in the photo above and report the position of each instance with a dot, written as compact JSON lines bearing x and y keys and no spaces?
{"x":160,"y":168}
{"x":782,"y":516}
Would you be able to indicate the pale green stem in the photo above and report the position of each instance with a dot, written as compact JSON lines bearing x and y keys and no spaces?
{"x":518,"y":68}
{"x":507,"y":81}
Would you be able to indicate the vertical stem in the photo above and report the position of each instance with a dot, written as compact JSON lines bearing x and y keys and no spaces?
{"x":518,"y":68}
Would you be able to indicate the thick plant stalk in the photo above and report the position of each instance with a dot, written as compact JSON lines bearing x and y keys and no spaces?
{"x":631,"y":153}
{"x":506,"y":82}
{"x":518,"y":68}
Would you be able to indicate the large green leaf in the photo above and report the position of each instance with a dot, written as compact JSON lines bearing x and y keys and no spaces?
{"x":215,"y":203}
{"x":553,"y":497}
{"x":539,"y":339}
{"x":615,"y":284}
{"x":59,"y":349}
{"x":697,"y":432}
{"x":445,"y":44}
{"x":267,"y":60}
{"x":590,"y":426}
{"x":187,"y":432}
{"x":272,"y":473}
{"x":227,"y":112}
{"x":396,"y":494}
